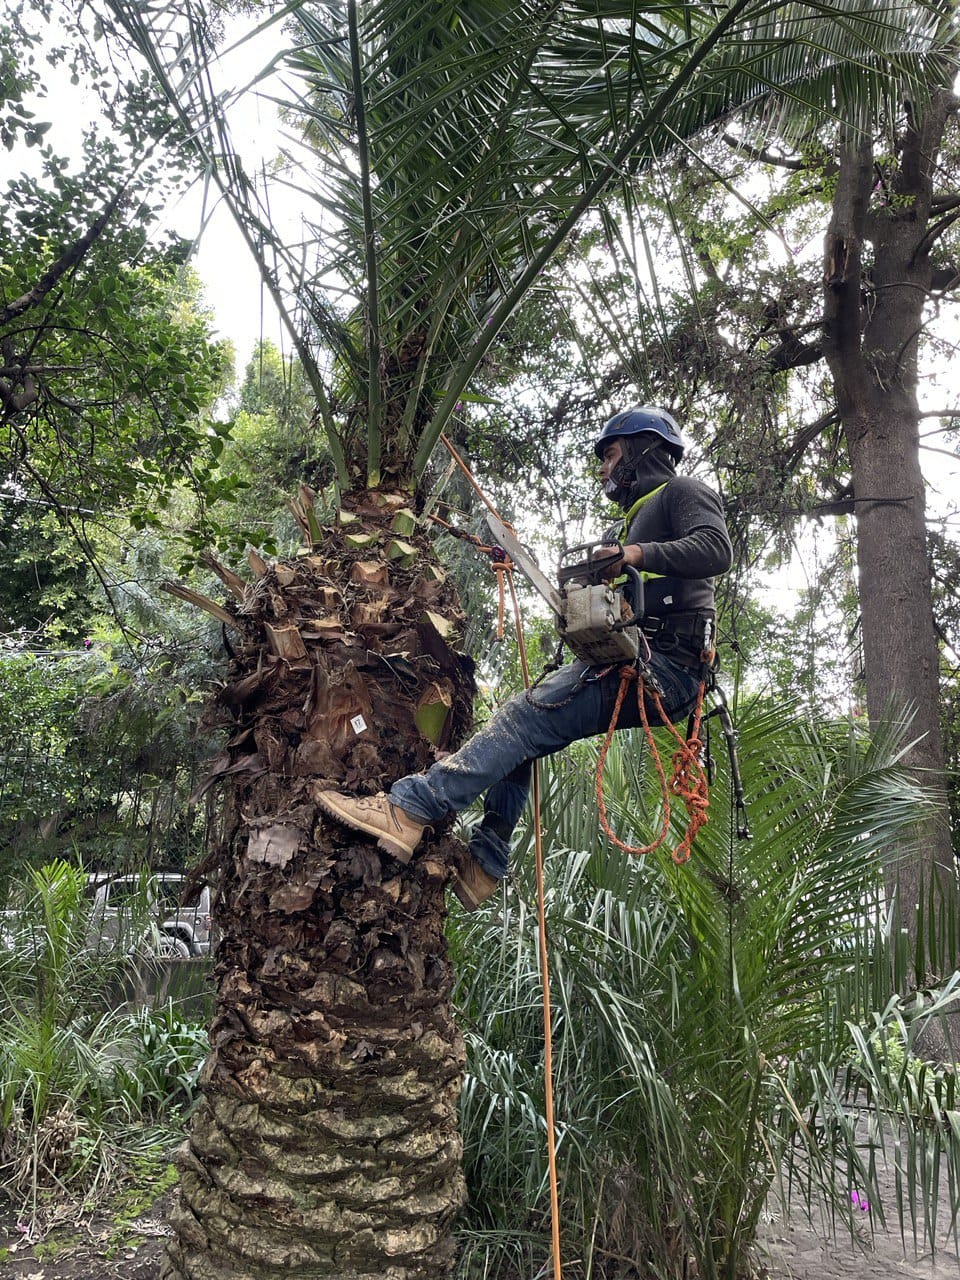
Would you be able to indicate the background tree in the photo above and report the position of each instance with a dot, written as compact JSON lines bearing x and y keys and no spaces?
{"x":107,"y":366}
{"x":807,"y":387}
{"x":874,"y":315}
{"x":274,"y":444}
{"x":443,"y":157}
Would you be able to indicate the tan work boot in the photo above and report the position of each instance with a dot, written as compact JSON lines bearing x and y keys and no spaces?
{"x":396,"y":831}
{"x":472,"y":885}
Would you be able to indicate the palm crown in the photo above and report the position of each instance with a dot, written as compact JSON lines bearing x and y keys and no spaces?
{"x":438,"y":155}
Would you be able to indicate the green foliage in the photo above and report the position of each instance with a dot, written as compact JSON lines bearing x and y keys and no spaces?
{"x":124,"y":370}
{"x":162,"y":1069}
{"x":17,"y":80}
{"x":701,"y":1013}
{"x":443,"y":160}
{"x":274,"y":444}
{"x":101,"y":753}
{"x":276,"y":386}
{"x":78,"y":1077}
{"x":37,"y":698}
{"x":55,"y":1043}
{"x":108,"y":370}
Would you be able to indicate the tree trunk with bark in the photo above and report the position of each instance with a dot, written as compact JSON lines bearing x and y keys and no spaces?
{"x":873,"y":321}
{"x":326,"y":1142}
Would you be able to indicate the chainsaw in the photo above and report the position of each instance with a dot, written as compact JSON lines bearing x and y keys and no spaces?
{"x":598,"y":619}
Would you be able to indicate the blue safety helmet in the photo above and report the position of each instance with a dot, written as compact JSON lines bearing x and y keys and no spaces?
{"x":641,"y":417}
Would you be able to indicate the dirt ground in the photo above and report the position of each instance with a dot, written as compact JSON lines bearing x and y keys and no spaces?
{"x":796,"y":1250}
{"x":92,"y":1247}
{"x":116,"y":1245}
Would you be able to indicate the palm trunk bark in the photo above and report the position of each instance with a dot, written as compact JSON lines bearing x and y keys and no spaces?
{"x":326,"y":1142}
{"x":874,"y":317}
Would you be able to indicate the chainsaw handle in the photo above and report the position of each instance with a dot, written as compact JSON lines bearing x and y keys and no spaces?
{"x":593,"y":568}
{"x":634,"y":596}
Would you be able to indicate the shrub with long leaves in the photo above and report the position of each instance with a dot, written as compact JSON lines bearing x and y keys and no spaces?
{"x":705,"y":1016}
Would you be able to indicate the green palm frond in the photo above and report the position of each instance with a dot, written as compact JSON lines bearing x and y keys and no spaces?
{"x":436,"y":155}
{"x":714,"y":1024}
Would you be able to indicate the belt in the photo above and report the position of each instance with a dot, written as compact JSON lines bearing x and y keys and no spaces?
{"x":685,"y":626}
{"x":678,"y":637}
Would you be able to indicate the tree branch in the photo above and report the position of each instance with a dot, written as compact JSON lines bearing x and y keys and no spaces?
{"x":934,"y":233}
{"x":944,"y":203}
{"x":806,"y":435}
{"x":70,"y":258}
{"x":945,"y":279}
{"x":763,"y":155}
{"x":938,"y":413}
{"x":792,"y":353}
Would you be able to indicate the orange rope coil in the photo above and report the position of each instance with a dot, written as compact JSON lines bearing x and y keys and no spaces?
{"x":689,"y":779}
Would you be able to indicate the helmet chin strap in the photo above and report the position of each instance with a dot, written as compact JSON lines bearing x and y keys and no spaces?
{"x":624,"y":477}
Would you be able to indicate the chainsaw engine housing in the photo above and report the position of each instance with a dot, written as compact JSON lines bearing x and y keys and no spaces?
{"x":592,"y":622}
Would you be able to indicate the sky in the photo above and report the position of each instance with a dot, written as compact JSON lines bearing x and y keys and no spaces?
{"x":232,"y":289}
{"x":242,"y":309}
{"x":231,"y":282}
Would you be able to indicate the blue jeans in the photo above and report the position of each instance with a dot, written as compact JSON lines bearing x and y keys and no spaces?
{"x":572,"y":703}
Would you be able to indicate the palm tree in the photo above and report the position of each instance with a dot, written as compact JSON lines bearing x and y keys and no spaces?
{"x":438,"y":154}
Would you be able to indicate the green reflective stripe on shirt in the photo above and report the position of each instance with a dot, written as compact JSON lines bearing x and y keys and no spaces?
{"x":644,"y":574}
{"x":638,"y":504}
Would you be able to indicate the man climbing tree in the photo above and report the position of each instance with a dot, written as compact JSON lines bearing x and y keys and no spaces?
{"x":674,"y":534}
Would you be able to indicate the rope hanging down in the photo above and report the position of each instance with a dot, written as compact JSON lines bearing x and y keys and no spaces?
{"x":688,"y":782}
{"x":504,"y":571}
{"x":500,"y":562}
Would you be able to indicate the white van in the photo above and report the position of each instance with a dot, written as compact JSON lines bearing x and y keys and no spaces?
{"x":149,"y":913}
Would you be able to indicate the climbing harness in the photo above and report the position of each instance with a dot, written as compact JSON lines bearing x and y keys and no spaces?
{"x":605,"y":626}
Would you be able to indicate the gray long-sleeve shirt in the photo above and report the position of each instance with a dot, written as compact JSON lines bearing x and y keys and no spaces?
{"x":683,"y":536}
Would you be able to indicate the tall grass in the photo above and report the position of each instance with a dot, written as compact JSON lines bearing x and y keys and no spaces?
{"x":723,"y":1031}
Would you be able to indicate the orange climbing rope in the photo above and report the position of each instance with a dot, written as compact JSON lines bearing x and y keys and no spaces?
{"x":500,"y":562}
{"x":504,"y":571}
{"x":688,"y":782}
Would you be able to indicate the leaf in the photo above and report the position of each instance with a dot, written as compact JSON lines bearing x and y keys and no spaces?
{"x":432,"y":716}
{"x":297,"y":895}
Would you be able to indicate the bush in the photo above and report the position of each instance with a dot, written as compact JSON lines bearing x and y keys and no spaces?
{"x":703,"y":1016}
{"x":79,"y":1079}
{"x":164,"y":1054}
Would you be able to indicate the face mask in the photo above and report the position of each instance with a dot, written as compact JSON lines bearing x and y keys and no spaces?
{"x":611,"y":486}
{"x":625,"y":475}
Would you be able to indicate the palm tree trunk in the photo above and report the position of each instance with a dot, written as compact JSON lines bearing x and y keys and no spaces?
{"x":326,"y":1142}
